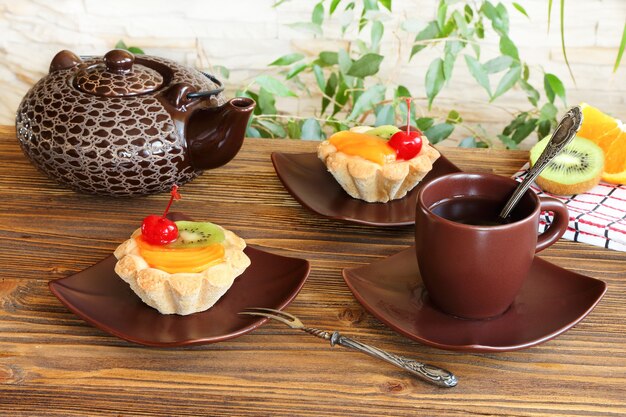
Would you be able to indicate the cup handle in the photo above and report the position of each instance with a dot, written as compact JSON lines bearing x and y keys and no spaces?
{"x":559,"y":223}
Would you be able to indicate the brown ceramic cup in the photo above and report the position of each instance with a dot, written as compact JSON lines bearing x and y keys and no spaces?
{"x":472,"y":265}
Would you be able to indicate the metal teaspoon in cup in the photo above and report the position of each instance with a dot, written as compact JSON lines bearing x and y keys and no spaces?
{"x":562,"y":135}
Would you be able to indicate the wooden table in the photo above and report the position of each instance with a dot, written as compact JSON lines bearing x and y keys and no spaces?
{"x":53,"y":363}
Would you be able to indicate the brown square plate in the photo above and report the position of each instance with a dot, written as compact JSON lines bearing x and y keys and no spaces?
{"x":104,"y":300}
{"x":308,"y":181}
{"x":552,"y":301}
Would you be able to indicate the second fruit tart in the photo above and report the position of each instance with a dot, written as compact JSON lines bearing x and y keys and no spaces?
{"x":378,"y":164}
{"x":181,"y":267}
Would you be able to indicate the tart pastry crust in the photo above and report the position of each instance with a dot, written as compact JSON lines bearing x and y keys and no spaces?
{"x":181,"y":293}
{"x":372,"y":182}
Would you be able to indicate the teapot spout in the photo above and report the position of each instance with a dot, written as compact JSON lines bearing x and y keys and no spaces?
{"x":215,"y":134}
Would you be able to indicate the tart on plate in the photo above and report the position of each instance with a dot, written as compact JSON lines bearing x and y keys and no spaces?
{"x":181,"y":267}
{"x":378,"y":164}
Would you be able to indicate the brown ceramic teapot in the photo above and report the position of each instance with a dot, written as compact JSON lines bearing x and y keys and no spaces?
{"x":123,"y":125}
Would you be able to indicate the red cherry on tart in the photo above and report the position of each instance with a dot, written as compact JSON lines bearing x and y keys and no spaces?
{"x":407,"y":144}
{"x":159,"y":230}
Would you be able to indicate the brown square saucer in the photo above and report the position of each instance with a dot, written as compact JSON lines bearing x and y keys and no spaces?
{"x":308,"y":181}
{"x":552,"y":301}
{"x":104,"y":300}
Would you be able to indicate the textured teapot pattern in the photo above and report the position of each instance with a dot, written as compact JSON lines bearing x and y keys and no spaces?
{"x":113,"y":134}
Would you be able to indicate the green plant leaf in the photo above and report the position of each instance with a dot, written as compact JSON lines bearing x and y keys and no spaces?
{"x":549,"y":13}
{"x":563,"y":49}
{"x":385,"y":115}
{"x":556,"y":86}
{"x":469,"y":142}
{"x":288,"y":59}
{"x":507,"y":47}
{"x":344,"y":61}
{"x":121,"y":45}
{"x":371,"y":97}
{"x":308,"y":27}
{"x":333,"y":7}
{"x":252,"y":132}
{"x":478,"y":72}
{"x":317,"y":16}
{"x":520,"y":9}
{"x":424,"y":123}
{"x":328,"y":58}
{"x":461,"y":24}
{"x":442,"y":11}
{"x":468,"y":13}
{"x":620,"y":52}
{"x":329,"y":91}
{"x":377,"y":34}
{"x":342,"y":96}
{"x":451,"y":51}
{"x":525,"y":72}
{"x":531,"y":93}
{"x":312,"y":130}
{"x":543,"y":129}
{"x":498,"y":64}
{"x":135,"y":50}
{"x":386,"y":4}
{"x":293,"y":129}
{"x":274,"y":86}
{"x":503,"y":15}
{"x":402,"y":91}
{"x":319,"y":77}
{"x":358,"y":88}
{"x":515,"y":123}
{"x":439,"y":132}
{"x":434,"y":80}
{"x":548,"y":112}
{"x":266,"y":102}
{"x":454,"y":117}
{"x":365,"y":66}
{"x":507,"y":81}
{"x":506,"y":140}
{"x":273,"y":128}
{"x":295,"y":70}
{"x":224,"y":72}
{"x":498,"y":17}
{"x":524,"y":130}
{"x":448,"y":65}
{"x":431,"y":31}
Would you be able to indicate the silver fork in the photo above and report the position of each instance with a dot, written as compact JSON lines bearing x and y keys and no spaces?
{"x":426,"y":372}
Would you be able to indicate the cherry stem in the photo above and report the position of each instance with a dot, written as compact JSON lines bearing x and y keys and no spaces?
{"x":174,"y":196}
{"x":408,"y":115}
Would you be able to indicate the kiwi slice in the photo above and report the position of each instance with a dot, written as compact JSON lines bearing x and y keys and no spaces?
{"x":196,"y":234}
{"x":384,"y":131}
{"x":576,"y":169}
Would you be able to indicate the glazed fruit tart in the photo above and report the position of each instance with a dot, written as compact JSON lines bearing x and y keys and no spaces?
{"x":181,"y":267}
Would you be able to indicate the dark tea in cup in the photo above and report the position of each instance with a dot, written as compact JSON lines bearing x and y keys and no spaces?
{"x":472,"y":263}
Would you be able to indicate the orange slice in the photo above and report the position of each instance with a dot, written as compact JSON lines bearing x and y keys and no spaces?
{"x":366,"y":146}
{"x":595,"y":123}
{"x":610,"y":134}
{"x":615,"y":162}
{"x":180,"y":260}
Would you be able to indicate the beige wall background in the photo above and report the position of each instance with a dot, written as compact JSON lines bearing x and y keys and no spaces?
{"x":246,"y":35}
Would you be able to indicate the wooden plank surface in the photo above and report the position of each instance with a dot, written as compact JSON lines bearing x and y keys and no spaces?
{"x":53,"y":363}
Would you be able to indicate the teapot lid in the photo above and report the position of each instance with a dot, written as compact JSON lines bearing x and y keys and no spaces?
{"x":118,"y":76}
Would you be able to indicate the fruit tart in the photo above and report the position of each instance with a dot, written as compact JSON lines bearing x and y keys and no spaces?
{"x":180,"y":267}
{"x":378,"y":164}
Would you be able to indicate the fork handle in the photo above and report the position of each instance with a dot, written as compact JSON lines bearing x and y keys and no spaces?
{"x":429,"y":373}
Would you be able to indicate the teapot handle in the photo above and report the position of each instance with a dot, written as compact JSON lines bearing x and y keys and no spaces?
{"x":209,"y":93}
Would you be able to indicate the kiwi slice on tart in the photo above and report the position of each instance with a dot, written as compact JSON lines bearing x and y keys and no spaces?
{"x":196,"y":235}
{"x":384,"y":131}
{"x":576,"y":169}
